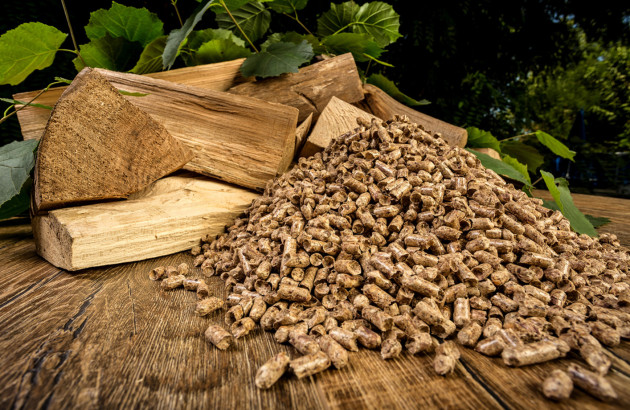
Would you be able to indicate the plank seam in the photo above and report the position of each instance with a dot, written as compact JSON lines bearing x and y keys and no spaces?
{"x":483,"y":384}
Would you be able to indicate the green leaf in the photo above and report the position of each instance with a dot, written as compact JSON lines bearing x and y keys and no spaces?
{"x":562,"y":196}
{"x":597,"y":221}
{"x":253,"y":18}
{"x":150,"y":60}
{"x":279,"y":58}
{"x":19,"y":203}
{"x":377,"y":19}
{"x":18,"y":102}
{"x":132,"y":94}
{"x":338,"y":18}
{"x":482,"y":139}
{"x":287,"y":6}
{"x":215,"y":51}
{"x":554,"y":145}
{"x":231,"y":4}
{"x":390,"y":88}
{"x":131,"y":23}
{"x":26,"y":48}
{"x":198,"y":37}
{"x":117,"y":54}
{"x":16,"y":162}
{"x":524,"y":153}
{"x":360,"y":45}
{"x":296,"y":38}
{"x":177,"y":37}
{"x":522,"y":168}
{"x":499,"y":167}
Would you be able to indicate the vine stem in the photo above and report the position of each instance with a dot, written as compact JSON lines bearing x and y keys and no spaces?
{"x":3,"y":119}
{"x":237,"y":25}
{"x":179,"y":17}
{"x":297,"y":20}
{"x":518,"y":136}
{"x":74,"y":40}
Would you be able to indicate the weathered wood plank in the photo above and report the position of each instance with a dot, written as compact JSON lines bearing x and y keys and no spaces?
{"x":385,"y":107}
{"x":169,"y":216}
{"x":218,"y":77}
{"x":337,"y":118}
{"x":310,"y":89}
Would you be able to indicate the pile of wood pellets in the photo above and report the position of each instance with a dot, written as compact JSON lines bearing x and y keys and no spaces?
{"x":393,"y":240}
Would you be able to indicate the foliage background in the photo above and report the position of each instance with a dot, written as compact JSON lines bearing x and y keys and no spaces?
{"x":506,"y":67}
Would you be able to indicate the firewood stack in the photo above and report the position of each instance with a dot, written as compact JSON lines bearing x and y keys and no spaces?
{"x":232,"y":134}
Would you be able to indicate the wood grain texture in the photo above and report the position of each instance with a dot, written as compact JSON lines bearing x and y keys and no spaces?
{"x":311,"y":88}
{"x":109,"y":338}
{"x":301,"y":133}
{"x":218,"y":77}
{"x":168,"y":217}
{"x":385,"y":107}
{"x":99,"y":146}
{"x":337,"y":118}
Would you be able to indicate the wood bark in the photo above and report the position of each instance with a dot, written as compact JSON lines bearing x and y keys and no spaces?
{"x":385,"y":107}
{"x":311,"y":88}
{"x":98,"y":146}
{"x":169,"y":216}
{"x":337,"y":118}
{"x":217,"y":77}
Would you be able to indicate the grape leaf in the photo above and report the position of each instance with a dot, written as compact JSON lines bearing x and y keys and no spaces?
{"x":360,"y":45}
{"x":278,"y":58}
{"x":525,"y":153}
{"x":150,"y":60}
{"x":554,"y":145}
{"x":19,"y":203}
{"x":131,"y":23}
{"x":293,"y":37}
{"x":253,"y":18}
{"x":338,"y":18}
{"x":499,"y":167}
{"x":562,"y":196}
{"x":287,"y":6}
{"x":522,"y":168}
{"x":482,"y":139}
{"x":117,"y":54}
{"x":177,"y":37}
{"x":215,"y":51}
{"x":377,"y":19}
{"x":16,"y":162}
{"x":198,"y":37}
{"x":26,"y":48}
{"x":390,"y":88}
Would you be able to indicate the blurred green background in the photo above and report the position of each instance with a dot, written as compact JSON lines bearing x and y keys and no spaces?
{"x":503,"y":66}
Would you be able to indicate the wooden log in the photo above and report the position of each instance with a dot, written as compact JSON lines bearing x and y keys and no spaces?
{"x":301,"y":133}
{"x":337,"y":118}
{"x":99,"y":146}
{"x":217,"y":77}
{"x":169,"y":216}
{"x":234,"y":138}
{"x":385,"y":107}
{"x":311,"y":88}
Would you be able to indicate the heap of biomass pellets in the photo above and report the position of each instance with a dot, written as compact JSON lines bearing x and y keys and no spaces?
{"x":393,"y":240}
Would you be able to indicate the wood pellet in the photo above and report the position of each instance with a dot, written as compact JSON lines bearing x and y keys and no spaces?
{"x":394,"y":241}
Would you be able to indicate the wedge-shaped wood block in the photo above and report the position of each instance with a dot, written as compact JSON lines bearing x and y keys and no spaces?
{"x":169,"y":216}
{"x":310,"y":89}
{"x":218,"y":77}
{"x":385,"y":107}
{"x":99,"y":146}
{"x":337,"y":118}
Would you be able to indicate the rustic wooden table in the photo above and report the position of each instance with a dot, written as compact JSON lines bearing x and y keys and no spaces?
{"x":108,"y":337}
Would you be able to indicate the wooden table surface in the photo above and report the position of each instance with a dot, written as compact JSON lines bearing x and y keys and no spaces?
{"x":108,"y":337}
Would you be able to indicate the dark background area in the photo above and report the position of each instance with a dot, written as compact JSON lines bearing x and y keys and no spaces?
{"x":467,"y":58}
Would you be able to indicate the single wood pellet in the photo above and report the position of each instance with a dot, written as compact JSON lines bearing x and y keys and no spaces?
{"x":557,"y":386}
{"x":272,"y":370}
{"x":391,"y":239}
